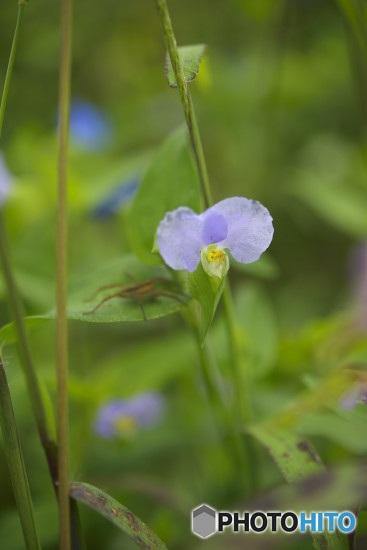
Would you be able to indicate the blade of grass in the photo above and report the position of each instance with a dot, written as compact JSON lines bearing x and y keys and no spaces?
{"x":14,"y":299}
{"x":17,"y":471}
{"x":9,"y":70}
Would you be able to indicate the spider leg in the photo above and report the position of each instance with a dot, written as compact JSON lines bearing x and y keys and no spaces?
{"x":174,"y":291}
{"x":105,"y":287}
{"x":102,"y":302}
{"x":168,"y":295}
{"x":142,"y":309}
{"x":131,"y":277}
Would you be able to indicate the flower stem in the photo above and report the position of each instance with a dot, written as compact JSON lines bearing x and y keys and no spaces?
{"x":9,"y":70}
{"x":15,"y":460}
{"x":61,"y":321}
{"x":188,"y":108}
{"x":185,"y":97}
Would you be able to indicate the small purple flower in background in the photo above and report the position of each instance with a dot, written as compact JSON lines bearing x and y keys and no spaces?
{"x":89,"y":127}
{"x":122,"y":418}
{"x":241,"y":225}
{"x":358,"y":394}
{"x":5,"y":181}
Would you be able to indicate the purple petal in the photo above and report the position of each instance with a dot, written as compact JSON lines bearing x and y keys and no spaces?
{"x":147,"y":408}
{"x":179,"y":239}
{"x":215,"y":227}
{"x":250,"y":228}
{"x":107,"y":414}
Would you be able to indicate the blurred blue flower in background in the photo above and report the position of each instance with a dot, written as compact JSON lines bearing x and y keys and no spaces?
{"x":117,"y":199}
{"x":5,"y":181}
{"x":122,"y":418}
{"x":89,"y":126}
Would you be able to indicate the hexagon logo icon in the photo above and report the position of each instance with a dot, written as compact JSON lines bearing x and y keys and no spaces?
{"x":203,"y":521}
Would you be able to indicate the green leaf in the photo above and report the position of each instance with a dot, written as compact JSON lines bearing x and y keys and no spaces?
{"x":116,"y":310}
{"x":190,"y":57}
{"x":207,"y":291}
{"x":120,"y":309}
{"x":17,"y":471}
{"x":346,"y":432}
{"x":170,"y":181}
{"x":117,"y":514}
{"x":294,"y":456}
{"x":298,"y":461}
{"x":342,"y":488}
{"x":8,"y":333}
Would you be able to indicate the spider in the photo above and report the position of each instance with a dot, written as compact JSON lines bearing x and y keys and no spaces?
{"x":138,"y":292}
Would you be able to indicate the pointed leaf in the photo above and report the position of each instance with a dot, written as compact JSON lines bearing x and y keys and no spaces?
{"x":170,"y":181}
{"x":190,"y":57}
{"x":298,"y":461}
{"x":207,"y":291}
{"x":117,"y":514}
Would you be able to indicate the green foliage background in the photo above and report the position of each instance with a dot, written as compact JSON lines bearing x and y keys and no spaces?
{"x":281,"y":103}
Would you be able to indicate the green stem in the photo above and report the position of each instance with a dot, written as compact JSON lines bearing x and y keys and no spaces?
{"x":9,"y":70}
{"x":185,"y":97}
{"x":25,"y":356}
{"x":241,"y":382}
{"x":61,"y":321}
{"x":15,"y":302}
{"x":17,"y":471}
{"x":209,"y":371}
{"x":188,"y":108}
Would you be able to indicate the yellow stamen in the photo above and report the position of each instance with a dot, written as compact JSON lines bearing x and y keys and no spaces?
{"x":126,"y":425}
{"x":216,"y":255}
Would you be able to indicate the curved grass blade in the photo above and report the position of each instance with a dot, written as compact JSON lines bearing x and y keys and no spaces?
{"x":190,"y":57}
{"x":17,"y":471}
{"x":117,"y":514}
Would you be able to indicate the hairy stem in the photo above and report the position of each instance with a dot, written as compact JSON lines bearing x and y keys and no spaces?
{"x":61,"y":322}
{"x":15,"y":460}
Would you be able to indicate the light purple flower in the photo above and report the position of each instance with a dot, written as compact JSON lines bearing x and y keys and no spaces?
{"x":121,"y":418}
{"x":358,"y":394}
{"x":5,"y":181}
{"x":241,"y":225}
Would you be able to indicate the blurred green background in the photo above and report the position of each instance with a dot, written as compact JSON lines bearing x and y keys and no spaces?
{"x":281,"y":100}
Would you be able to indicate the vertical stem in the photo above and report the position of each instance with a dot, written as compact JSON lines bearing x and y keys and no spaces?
{"x":61,"y":323}
{"x":185,"y":97}
{"x":15,"y":302}
{"x":188,"y":108}
{"x":9,"y":70}
{"x":25,"y":356}
{"x":15,"y":460}
{"x":242,"y":383}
